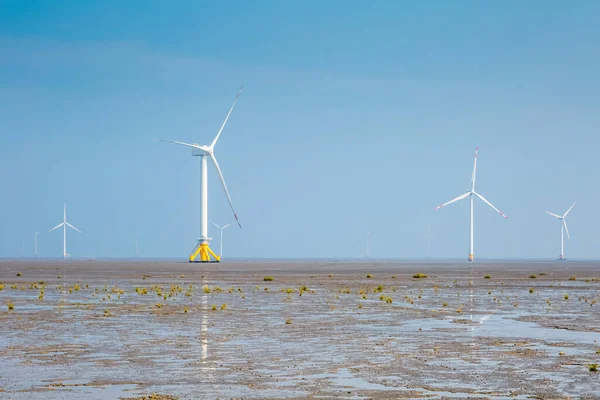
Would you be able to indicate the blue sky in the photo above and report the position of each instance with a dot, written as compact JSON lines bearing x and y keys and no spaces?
{"x":356,"y":116}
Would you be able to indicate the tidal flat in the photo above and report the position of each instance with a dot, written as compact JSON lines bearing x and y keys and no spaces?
{"x":307,"y":329}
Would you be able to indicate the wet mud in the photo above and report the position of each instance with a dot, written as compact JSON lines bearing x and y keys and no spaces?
{"x":166,"y":330}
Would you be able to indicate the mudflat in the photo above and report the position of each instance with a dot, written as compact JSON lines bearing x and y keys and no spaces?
{"x":267,"y":329}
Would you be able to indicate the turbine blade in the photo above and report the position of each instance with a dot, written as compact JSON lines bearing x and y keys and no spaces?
{"x":212,"y":145}
{"x":226,"y":226}
{"x":490,"y":204}
{"x":194,"y":146}
{"x":566,"y":229}
{"x":474,"y":169}
{"x":216,"y":164}
{"x":57,"y":226}
{"x":569,"y":210}
{"x":68,"y":224}
{"x":462,"y":196}
{"x":216,"y":225}
{"x":554,"y":215}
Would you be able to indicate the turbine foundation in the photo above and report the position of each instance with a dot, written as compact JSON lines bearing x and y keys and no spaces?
{"x":204,"y":253}
{"x":470,"y":257}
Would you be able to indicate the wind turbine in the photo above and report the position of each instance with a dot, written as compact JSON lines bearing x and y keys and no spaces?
{"x":470,"y":195}
{"x":64,"y":224}
{"x":137,"y":254}
{"x":35,"y":235}
{"x":221,"y":242}
{"x":367,"y":235}
{"x":563,"y":223}
{"x":205,"y":152}
{"x":428,"y":236}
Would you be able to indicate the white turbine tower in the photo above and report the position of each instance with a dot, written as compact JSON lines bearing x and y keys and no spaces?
{"x":64,"y":224}
{"x":470,"y":194}
{"x":563,"y":224}
{"x":35,"y":235}
{"x":205,"y":152}
{"x":137,"y":254}
{"x":221,"y":241}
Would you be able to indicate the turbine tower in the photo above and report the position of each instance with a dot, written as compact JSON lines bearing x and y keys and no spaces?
{"x":470,"y":195}
{"x":64,"y":224}
{"x":205,"y":152}
{"x":35,"y":235}
{"x":221,"y":241}
{"x":563,"y":224}
{"x":137,"y":254}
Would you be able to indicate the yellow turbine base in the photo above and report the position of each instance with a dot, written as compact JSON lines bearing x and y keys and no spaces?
{"x":205,"y":253}
{"x":470,"y":257}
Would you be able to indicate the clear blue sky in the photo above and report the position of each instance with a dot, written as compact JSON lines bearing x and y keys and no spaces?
{"x":356,"y":116}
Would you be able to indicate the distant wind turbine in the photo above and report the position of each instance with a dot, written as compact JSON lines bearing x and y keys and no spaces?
{"x":563,"y":224}
{"x":221,"y":241}
{"x":137,"y":254}
{"x":368,"y":235}
{"x":64,"y":224}
{"x":35,"y":235}
{"x":428,"y":236}
{"x":470,"y":194}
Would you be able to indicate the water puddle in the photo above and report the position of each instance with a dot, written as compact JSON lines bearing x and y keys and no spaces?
{"x":502,"y":327}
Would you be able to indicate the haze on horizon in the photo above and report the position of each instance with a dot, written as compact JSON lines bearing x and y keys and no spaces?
{"x":353,"y":119}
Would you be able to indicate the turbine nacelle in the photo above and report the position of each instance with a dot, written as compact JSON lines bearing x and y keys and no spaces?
{"x":198,"y":150}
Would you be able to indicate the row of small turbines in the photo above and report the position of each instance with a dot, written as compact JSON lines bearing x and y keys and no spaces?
{"x":471,"y":193}
{"x":205,"y":152}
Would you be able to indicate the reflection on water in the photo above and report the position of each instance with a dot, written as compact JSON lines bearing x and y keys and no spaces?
{"x":204,"y":326}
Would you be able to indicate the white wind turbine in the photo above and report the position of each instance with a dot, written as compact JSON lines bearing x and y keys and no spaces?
{"x":563,"y":223}
{"x":35,"y":235}
{"x":221,"y":241}
{"x":470,"y":194}
{"x":64,"y":224}
{"x":137,"y":254}
{"x":205,"y":152}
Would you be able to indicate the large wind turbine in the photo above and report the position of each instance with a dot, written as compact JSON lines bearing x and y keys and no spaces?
{"x":205,"y":152}
{"x":221,"y":241}
{"x":470,"y":195}
{"x":64,"y":224}
{"x":563,"y":223}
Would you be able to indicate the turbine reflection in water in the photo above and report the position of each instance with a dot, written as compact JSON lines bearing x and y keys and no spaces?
{"x":204,"y":326}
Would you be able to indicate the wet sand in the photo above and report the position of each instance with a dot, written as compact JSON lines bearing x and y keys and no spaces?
{"x":109,"y":330}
